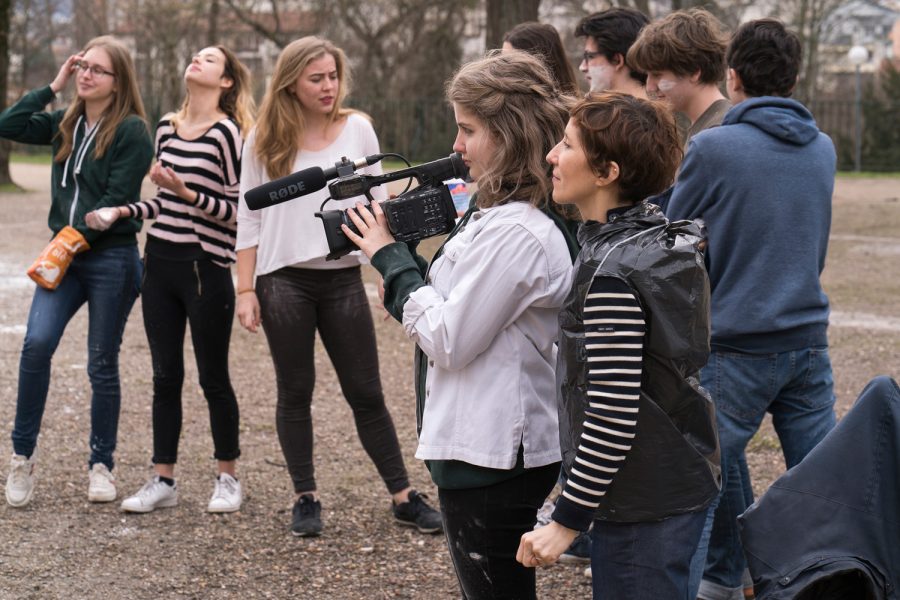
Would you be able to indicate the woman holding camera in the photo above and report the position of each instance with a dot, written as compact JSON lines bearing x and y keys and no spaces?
{"x":483,"y":316}
{"x":303,"y":123}
{"x":101,"y":152}
{"x":187,"y":275}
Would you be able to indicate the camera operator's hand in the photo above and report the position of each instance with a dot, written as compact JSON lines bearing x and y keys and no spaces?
{"x":248,"y":310}
{"x":373,"y":229}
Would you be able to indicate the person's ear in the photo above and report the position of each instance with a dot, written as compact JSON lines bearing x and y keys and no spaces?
{"x":695,"y":77}
{"x":618,"y":61}
{"x":612,"y":174}
{"x":735,"y":84}
{"x":226,"y":83}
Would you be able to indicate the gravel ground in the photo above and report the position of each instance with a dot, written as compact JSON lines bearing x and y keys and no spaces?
{"x":61,"y":546}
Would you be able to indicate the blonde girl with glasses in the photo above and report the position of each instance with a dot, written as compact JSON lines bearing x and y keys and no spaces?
{"x":101,"y":152}
{"x":187,"y":274}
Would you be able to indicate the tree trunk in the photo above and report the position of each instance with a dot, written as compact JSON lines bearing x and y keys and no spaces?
{"x":5,"y":15}
{"x":503,"y":15}
{"x":212,"y":31}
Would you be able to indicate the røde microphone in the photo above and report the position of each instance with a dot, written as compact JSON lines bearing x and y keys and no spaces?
{"x":302,"y":182}
{"x":286,"y":188}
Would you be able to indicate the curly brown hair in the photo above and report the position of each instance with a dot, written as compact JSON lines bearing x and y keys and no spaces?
{"x":515,"y":97}
{"x":684,"y":42}
{"x":638,"y":135}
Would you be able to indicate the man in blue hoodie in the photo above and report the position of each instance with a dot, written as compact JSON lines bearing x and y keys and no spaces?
{"x":762,"y":182}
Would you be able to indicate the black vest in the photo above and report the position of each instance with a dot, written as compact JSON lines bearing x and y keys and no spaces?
{"x":673,"y":465}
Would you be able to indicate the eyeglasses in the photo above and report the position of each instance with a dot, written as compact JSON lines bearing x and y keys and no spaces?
{"x":589,"y":56}
{"x":95,"y":70}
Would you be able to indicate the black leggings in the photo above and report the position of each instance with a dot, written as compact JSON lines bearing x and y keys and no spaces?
{"x":175,"y":293}
{"x":294,"y":303}
{"x":484,"y":526}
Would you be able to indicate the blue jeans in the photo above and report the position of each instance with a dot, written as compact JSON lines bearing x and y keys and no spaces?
{"x":108,"y":281}
{"x":644,"y":561}
{"x":797,"y":388}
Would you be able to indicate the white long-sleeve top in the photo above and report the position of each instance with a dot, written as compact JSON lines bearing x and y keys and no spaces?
{"x":487,"y":320}
{"x":289,"y":234}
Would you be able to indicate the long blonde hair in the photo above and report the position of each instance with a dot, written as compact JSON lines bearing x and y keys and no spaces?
{"x":235,"y":101}
{"x":126,"y":101}
{"x":281,"y":125}
{"x":515,"y":97}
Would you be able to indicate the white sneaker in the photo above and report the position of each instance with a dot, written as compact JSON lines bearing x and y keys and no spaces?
{"x":155,"y":494}
{"x":227,"y":496}
{"x":102,"y":484}
{"x":20,"y":481}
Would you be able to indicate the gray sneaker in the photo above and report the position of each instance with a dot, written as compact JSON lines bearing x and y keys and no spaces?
{"x":20,"y":480}
{"x":155,"y":494}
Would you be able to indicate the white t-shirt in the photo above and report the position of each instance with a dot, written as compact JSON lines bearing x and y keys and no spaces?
{"x":289,"y":234}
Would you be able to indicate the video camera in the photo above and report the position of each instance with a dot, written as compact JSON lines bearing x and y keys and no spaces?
{"x":422,"y":212}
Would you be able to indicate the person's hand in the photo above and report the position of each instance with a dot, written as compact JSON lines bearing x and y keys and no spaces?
{"x":248,"y":311}
{"x":65,"y":72}
{"x":373,"y":229}
{"x":166,"y":178}
{"x":103,"y":218}
{"x":543,"y":546}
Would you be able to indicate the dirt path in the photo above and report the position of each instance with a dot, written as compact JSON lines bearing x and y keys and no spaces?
{"x":63,"y":547}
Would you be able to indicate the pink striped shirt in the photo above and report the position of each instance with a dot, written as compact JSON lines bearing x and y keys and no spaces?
{"x":209,"y":165}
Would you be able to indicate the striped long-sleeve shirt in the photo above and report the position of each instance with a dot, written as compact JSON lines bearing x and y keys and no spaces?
{"x":614,"y":340}
{"x":209,"y":165}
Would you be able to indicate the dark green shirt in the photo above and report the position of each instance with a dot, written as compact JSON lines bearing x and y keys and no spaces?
{"x":113,"y":179}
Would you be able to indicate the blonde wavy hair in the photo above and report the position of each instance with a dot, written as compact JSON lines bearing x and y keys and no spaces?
{"x":126,"y":101}
{"x":515,"y":97}
{"x":235,"y":101}
{"x":280,"y":126}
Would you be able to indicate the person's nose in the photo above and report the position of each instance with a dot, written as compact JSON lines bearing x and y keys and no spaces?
{"x":459,"y":145}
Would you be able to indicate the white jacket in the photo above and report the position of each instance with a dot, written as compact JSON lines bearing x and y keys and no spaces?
{"x":487,"y":320}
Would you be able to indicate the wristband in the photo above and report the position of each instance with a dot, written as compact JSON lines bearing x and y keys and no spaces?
{"x":245,"y":290}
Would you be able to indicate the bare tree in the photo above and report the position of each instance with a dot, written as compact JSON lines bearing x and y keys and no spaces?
{"x":5,"y":14}
{"x":402,"y":53}
{"x":31,"y":36}
{"x":808,"y":18}
{"x":212,"y":29}
{"x":265,"y":17}
{"x":503,"y":15}
{"x":90,"y":19}
{"x":165,"y":33}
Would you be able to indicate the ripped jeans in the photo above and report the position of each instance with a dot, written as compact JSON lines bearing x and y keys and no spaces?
{"x":484,"y":526}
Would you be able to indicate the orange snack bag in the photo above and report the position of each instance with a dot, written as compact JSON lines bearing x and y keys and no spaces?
{"x":48,"y":269}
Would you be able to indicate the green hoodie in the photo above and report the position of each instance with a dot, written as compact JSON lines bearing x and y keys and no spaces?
{"x":82,"y":183}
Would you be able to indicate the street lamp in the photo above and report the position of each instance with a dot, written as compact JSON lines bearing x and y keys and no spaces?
{"x":857,"y":56}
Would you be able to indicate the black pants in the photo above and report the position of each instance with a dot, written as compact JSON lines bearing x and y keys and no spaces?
{"x":294,"y":303}
{"x":174,"y":294}
{"x":483,"y":528}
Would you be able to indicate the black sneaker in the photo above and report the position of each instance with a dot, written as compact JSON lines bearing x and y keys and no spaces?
{"x":416,"y":513}
{"x":307,"y":521}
